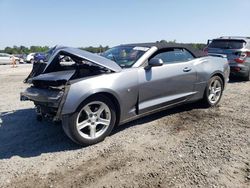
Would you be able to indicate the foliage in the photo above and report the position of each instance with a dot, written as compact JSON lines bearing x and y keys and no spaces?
{"x":100,"y":49}
{"x":26,"y":50}
{"x":92,"y":49}
{"x":197,"y":46}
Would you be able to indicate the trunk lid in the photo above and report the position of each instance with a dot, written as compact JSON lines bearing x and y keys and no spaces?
{"x":231,"y":54}
{"x":228,"y":52}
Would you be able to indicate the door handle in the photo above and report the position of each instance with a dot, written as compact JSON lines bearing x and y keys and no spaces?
{"x":187,"y":69}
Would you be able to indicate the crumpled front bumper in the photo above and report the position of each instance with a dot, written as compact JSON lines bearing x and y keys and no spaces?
{"x":49,"y":102}
{"x":48,"y":97}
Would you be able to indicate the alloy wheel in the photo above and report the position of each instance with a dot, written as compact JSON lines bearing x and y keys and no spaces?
{"x":215,"y":90}
{"x":93,"y":120}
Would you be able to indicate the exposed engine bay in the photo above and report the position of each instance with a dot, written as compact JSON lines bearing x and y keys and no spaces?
{"x":51,"y":81}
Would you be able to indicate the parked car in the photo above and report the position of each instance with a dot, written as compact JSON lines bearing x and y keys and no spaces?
{"x":30,"y":58}
{"x":94,"y":93}
{"x":7,"y":59}
{"x":44,"y":56}
{"x":237,"y":50}
{"x":21,"y":57}
{"x":38,"y":65}
{"x":40,"y":57}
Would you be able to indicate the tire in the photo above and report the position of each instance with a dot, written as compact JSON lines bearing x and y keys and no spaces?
{"x":92,"y":122}
{"x":247,"y":78}
{"x":213,"y":92}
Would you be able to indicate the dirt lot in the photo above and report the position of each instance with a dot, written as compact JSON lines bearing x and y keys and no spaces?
{"x":188,"y":146}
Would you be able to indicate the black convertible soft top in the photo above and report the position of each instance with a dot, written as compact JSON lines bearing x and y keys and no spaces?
{"x":164,"y":45}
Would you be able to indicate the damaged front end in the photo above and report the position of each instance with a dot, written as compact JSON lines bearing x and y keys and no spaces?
{"x":48,"y":92}
{"x":49,"y":88}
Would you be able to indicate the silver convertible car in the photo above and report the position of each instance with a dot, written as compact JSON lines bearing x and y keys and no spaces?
{"x":92,"y":93}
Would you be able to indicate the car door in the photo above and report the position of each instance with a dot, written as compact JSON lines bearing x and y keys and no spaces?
{"x":5,"y":58}
{"x":169,"y":84}
{"x":8,"y":59}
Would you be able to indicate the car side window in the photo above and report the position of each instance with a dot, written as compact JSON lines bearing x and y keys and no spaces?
{"x":3,"y":55}
{"x":174,"y":56}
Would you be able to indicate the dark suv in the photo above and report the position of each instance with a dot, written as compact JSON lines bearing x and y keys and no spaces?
{"x":237,"y":50}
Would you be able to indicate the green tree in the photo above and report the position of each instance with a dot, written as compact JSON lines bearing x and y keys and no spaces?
{"x":8,"y":50}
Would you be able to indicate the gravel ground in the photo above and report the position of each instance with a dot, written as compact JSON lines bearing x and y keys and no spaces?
{"x":188,"y":146}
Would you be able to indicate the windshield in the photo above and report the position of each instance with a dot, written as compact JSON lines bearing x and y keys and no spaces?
{"x":227,"y":44}
{"x":125,"y":56}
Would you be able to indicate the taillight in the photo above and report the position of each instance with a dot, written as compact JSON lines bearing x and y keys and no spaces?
{"x":205,"y":50}
{"x":242,"y":57}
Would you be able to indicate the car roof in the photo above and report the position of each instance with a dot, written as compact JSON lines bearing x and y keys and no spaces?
{"x":165,"y":45}
{"x":234,"y":38}
{"x":245,"y":39}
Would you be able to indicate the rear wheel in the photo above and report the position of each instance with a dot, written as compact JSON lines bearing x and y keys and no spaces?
{"x":247,"y":78}
{"x":92,"y":122}
{"x":213,"y":91}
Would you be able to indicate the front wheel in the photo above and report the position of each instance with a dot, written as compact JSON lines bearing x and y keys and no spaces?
{"x":213,"y":91}
{"x":92,"y":122}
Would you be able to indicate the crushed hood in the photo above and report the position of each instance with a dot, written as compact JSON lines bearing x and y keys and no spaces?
{"x":91,"y":57}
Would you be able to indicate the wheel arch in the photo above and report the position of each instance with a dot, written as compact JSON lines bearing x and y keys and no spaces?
{"x":217,"y":73}
{"x":220,"y":74}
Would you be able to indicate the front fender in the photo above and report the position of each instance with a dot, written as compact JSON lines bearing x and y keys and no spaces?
{"x":117,"y":84}
{"x":75,"y":97}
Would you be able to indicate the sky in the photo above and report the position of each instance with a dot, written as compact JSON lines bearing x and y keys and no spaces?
{"x":82,"y":23}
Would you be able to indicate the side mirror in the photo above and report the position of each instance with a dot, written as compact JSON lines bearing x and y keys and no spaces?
{"x":155,"y":62}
